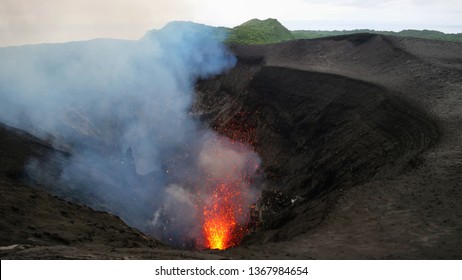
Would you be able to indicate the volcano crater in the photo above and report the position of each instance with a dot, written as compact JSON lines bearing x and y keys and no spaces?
{"x":318,"y":134}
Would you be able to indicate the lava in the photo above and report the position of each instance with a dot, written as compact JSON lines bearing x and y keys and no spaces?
{"x":225,"y":203}
{"x":220,"y":226}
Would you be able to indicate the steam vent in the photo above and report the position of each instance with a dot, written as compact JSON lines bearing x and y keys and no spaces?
{"x":345,"y":147}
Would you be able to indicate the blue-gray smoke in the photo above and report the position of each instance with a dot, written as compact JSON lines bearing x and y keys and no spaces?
{"x":122,"y":110}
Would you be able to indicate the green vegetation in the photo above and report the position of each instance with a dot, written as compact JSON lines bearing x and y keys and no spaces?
{"x":312,"y":34}
{"x":424,"y":34}
{"x":259,"y":32}
{"x":429,"y":34}
{"x":272,"y":31}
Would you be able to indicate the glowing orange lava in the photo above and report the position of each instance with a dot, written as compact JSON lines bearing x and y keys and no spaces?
{"x":225,"y":200}
{"x":220,"y":227}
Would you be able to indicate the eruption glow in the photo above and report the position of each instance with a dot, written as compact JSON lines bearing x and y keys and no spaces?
{"x":220,"y":223}
{"x":230,"y":168}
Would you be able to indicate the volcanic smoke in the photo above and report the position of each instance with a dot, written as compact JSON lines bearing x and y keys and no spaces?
{"x":121,"y":111}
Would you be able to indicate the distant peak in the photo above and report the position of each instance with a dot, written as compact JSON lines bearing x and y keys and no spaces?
{"x":256,"y":31}
{"x":257,"y":21}
{"x":182,"y":27}
{"x":180,"y":24}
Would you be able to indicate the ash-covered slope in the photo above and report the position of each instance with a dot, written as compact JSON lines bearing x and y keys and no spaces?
{"x":359,"y":137}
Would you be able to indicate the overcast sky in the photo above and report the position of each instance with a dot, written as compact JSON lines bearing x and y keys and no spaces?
{"x":39,"y":21}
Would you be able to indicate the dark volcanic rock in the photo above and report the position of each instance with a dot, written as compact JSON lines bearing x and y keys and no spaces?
{"x":358,"y":131}
{"x":316,"y":132}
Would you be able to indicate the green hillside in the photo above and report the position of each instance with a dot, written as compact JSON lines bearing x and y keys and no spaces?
{"x":257,"y":31}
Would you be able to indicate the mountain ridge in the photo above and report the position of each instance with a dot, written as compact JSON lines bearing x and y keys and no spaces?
{"x":256,"y":31}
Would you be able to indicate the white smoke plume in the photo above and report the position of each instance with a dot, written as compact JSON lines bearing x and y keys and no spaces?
{"x":122,"y":110}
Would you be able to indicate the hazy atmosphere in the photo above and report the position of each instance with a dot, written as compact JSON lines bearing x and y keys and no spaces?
{"x":30,"y":22}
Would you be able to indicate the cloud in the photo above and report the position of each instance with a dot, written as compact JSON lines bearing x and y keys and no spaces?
{"x":335,"y":14}
{"x":34,"y":21}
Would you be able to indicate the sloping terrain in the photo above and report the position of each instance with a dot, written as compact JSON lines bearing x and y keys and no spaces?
{"x":361,"y":135}
{"x":360,"y":141}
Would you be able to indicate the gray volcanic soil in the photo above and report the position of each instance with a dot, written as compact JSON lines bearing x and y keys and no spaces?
{"x":360,"y":141}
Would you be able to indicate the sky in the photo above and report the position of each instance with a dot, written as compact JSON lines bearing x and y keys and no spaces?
{"x":49,"y":21}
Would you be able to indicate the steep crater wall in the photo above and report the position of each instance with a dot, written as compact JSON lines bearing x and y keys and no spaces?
{"x":317,"y":134}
